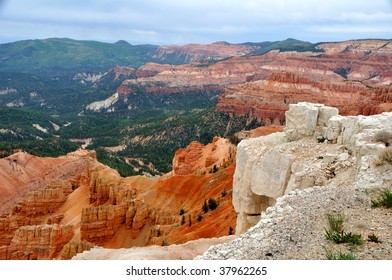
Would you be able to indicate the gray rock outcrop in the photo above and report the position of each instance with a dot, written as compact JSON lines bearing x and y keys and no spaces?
{"x":317,"y":144}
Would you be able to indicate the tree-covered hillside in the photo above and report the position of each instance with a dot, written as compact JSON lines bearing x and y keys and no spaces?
{"x":57,"y":56}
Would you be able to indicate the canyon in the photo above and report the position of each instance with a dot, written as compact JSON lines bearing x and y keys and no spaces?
{"x":288,"y":182}
{"x":66,"y":205}
{"x":354,"y":76}
{"x":318,"y":111}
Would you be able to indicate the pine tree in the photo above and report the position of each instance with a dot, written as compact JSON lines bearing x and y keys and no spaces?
{"x":212,"y":204}
{"x":205,"y":207}
{"x":183,"y":220}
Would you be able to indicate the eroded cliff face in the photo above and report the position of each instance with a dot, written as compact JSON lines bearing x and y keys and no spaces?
{"x":72,"y":203}
{"x":22,"y":173}
{"x":40,"y":242}
{"x":203,"y":159}
{"x":199,"y":52}
{"x":33,"y":190}
{"x":138,"y":211}
{"x":354,"y":76}
{"x":318,"y":148}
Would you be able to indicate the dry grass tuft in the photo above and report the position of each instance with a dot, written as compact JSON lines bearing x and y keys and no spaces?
{"x":384,"y":137}
{"x":383,"y":156}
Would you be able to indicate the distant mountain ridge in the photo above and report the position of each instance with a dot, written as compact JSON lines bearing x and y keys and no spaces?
{"x":55,"y":56}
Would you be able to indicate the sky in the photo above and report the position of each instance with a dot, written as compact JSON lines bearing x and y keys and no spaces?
{"x":179,"y":22}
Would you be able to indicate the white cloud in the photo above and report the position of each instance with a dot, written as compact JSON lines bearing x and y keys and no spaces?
{"x":173,"y":21}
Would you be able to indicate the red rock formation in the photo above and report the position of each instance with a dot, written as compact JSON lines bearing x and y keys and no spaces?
{"x":73,"y":247}
{"x":199,"y":158}
{"x":166,"y":79}
{"x":357,"y":46}
{"x":102,"y":179}
{"x":151,"y":69}
{"x":37,"y":242}
{"x":345,"y":76}
{"x":123,"y":71}
{"x":41,"y":202}
{"x":33,"y":189}
{"x":90,"y":204}
{"x":353,"y":76}
{"x":146,"y":211}
{"x":199,"y":52}
{"x":99,"y":223}
{"x":21,"y":173}
{"x":269,"y":99}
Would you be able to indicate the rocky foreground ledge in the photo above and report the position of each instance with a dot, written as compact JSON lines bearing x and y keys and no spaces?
{"x":295,"y":228}
{"x":287,"y":183}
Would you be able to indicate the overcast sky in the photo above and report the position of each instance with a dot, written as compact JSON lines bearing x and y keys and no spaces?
{"x":195,"y":21}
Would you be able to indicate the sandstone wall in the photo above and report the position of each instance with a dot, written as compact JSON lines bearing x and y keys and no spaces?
{"x":73,"y":248}
{"x":81,"y":203}
{"x":99,"y":223}
{"x":102,"y":179}
{"x":199,"y":158}
{"x":37,"y":242}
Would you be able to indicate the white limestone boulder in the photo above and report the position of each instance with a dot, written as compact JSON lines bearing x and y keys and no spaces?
{"x":301,"y":120}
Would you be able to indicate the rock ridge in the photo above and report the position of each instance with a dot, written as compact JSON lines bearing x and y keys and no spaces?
{"x":329,"y":160}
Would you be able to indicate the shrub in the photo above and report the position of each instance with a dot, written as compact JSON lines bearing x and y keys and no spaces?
{"x":384,"y":199}
{"x":235,"y":140}
{"x":205,"y":207}
{"x":330,"y":255}
{"x":337,"y":234}
{"x":384,"y":137}
{"x":343,"y":237}
{"x":374,"y":238}
{"x":384,"y":155}
{"x":199,"y":217}
{"x":231,"y":230}
{"x":183,"y":220}
{"x":182,"y":212}
{"x":224,"y":192}
{"x":335,"y":222}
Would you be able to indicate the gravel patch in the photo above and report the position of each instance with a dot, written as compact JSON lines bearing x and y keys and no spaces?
{"x":294,"y":228}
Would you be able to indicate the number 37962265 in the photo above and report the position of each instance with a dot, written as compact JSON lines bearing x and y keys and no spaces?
{"x":232,"y":270}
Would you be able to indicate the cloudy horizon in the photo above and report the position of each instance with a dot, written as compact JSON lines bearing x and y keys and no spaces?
{"x":202,"y":21}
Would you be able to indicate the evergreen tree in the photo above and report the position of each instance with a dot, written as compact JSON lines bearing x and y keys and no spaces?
{"x":183,"y":220}
{"x":205,"y":207}
{"x":212,"y":204}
